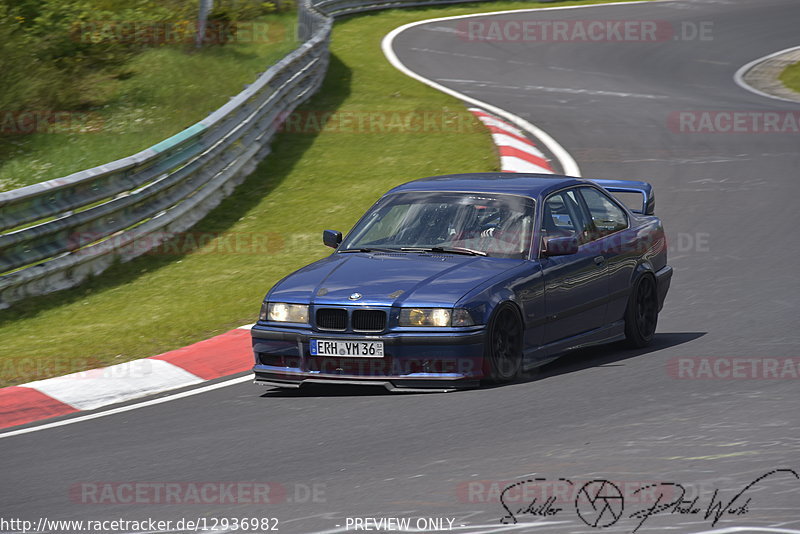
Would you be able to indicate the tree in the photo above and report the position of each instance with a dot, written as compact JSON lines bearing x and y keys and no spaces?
{"x":202,"y":20}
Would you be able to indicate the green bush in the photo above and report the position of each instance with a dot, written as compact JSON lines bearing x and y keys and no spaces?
{"x":52,"y":52}
{"x":28,"y":81}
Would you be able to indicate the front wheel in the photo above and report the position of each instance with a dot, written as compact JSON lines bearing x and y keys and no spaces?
{"x":641,"y":315}
{"x":503,"y":355}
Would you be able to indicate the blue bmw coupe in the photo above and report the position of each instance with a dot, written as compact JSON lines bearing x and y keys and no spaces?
{"x":451,"y":280}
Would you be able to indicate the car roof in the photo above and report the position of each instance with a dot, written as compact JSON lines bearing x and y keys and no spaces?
{"x":532,"y":185}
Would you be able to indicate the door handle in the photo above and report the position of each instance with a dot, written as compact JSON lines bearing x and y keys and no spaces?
{"x":599,"y":260}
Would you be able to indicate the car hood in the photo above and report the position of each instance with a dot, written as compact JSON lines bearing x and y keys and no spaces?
{"x":390,"y":279}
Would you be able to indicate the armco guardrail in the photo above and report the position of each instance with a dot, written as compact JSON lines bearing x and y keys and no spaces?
{"x":57,"y":233}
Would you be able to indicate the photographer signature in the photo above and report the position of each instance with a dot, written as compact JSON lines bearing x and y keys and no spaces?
{"x":600,"y":503}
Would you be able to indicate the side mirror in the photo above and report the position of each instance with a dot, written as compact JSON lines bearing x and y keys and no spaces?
{"x":331,"y":238}
{"x":560,"y":246}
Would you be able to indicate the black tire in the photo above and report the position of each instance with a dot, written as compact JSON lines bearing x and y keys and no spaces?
{"x":503,"y":354}
{"x":641,"y":315}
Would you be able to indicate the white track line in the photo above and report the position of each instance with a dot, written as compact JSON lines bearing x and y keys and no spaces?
{"x":160,"y":400}
{"x":568,"y":164}
{"x":740,"y":74}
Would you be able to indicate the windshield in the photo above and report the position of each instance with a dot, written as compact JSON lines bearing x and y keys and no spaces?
{"x":481,"y":223}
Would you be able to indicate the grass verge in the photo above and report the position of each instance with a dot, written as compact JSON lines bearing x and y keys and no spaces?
{"x":791,"y":77}
{"x":271,"y":225}
{"x":157,"y":94}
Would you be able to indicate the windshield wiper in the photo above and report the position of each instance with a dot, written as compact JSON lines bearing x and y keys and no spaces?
{"x":446,"y":250}
{"x":370,"y":249}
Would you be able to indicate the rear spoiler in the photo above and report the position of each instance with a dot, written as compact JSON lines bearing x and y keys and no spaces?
{"x":630,"y":186}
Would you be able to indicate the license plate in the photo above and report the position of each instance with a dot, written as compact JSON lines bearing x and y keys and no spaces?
{"x":352,"y":349}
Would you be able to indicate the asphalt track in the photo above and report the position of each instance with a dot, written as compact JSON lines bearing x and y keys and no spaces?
{"x":728,"y":203}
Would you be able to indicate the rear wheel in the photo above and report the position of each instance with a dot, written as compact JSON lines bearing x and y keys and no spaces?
{"x":641,"y":316}
{"x":503,"y":359}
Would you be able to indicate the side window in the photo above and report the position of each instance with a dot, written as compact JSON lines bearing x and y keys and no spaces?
{"x":563,"y":217}
{"x":607,"y":216}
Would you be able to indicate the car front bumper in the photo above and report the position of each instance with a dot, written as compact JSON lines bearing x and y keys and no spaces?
{"x":412,"y":361}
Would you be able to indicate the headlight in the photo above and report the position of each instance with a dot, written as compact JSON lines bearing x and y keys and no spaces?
{"x":284,"y":313}
{"x":435,"y":317}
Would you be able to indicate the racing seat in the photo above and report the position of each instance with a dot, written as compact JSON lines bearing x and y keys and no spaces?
{"x":549,"y":226}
